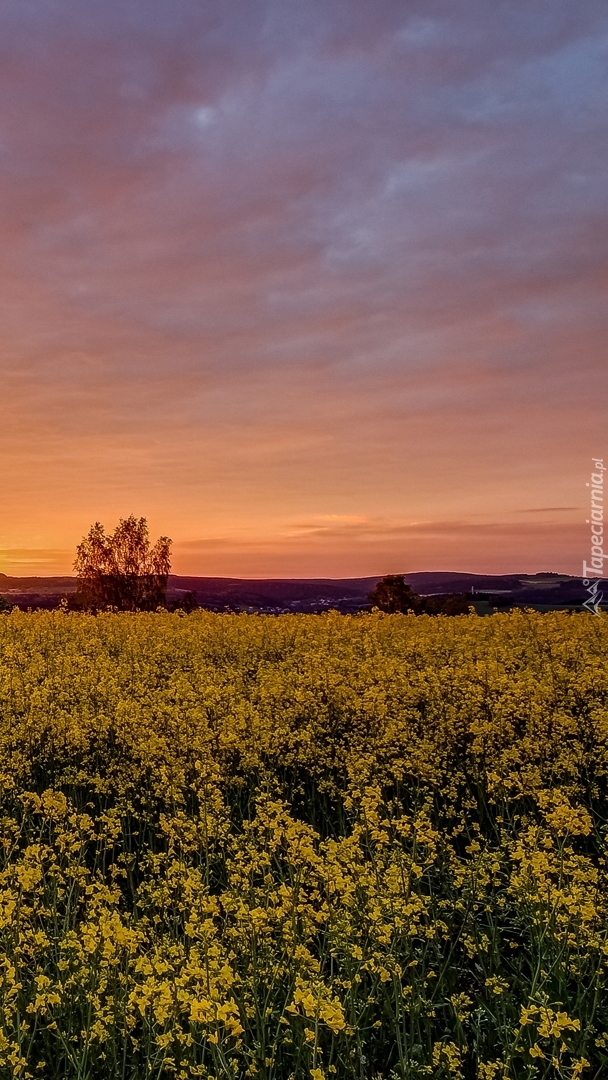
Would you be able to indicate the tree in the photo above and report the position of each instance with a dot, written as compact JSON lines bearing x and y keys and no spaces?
{"x":121,"y":570}
{"x":392,"y":594}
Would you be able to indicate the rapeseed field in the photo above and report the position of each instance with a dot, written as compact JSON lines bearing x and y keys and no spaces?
{"x":303,"y":848}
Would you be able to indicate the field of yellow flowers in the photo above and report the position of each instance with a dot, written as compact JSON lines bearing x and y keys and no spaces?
{"x":302,"y":847}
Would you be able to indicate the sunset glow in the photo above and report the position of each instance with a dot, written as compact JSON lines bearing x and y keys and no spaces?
{"x":318,"y":288}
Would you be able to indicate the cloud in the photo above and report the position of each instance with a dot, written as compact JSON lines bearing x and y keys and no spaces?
{"x":259,"y":259}
{"x":547,"y":509}
{"x":369,"y":547}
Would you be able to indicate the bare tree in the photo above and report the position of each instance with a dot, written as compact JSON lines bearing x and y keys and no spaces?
{"x":121,"y":570}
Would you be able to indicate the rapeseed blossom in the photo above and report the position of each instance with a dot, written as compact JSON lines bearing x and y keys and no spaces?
{"x":366,"y":847}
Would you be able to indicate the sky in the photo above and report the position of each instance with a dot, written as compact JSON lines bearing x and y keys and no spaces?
{"x":317,"y":287}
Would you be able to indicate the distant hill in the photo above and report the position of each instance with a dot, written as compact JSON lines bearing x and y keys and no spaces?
{"x":543,"y":590}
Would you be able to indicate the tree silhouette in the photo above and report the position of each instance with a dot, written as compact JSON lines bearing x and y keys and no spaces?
{"x":392,"y":594}
{"x":121,"y":570}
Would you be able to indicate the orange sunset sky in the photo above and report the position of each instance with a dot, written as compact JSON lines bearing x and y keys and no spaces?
{"x":317,"y":287}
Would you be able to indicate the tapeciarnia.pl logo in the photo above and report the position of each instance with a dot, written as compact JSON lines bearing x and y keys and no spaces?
{"x":596,"y":521}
